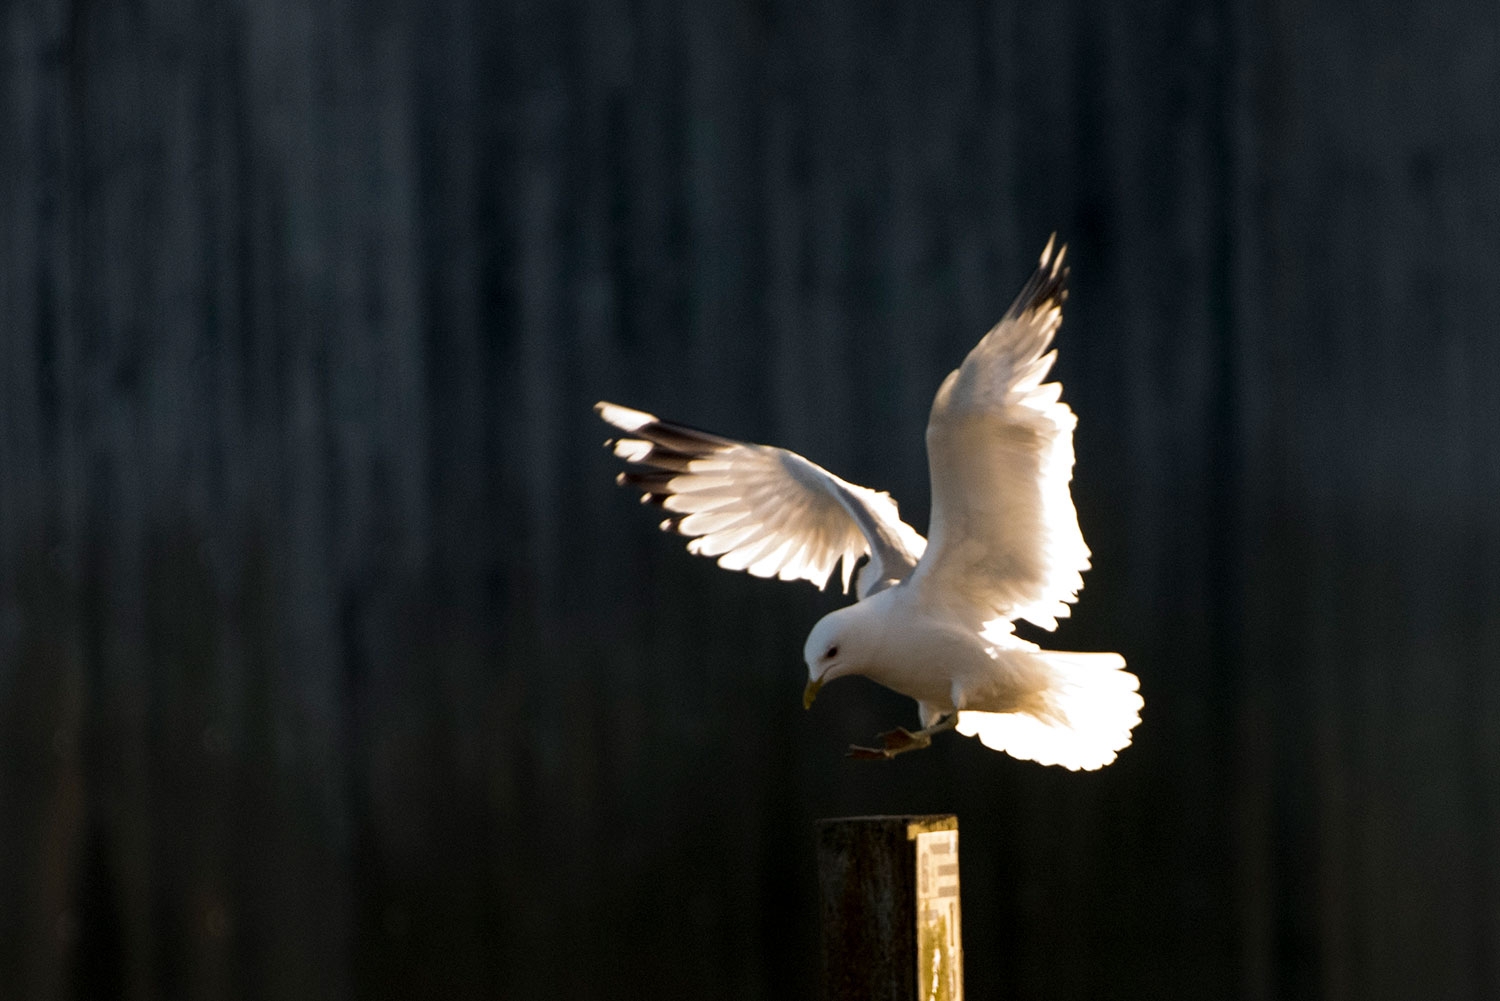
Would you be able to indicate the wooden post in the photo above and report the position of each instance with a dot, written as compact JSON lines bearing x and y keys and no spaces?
{"x":889,"y":888}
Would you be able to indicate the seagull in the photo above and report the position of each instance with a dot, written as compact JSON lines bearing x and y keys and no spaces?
{"x":933,"y":618}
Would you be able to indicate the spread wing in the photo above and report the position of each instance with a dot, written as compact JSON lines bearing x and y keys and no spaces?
{"x":1005,"y":542}
{"x":762,"y":509}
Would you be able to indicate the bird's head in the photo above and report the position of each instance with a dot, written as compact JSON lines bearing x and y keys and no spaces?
{"x":834,"y":648}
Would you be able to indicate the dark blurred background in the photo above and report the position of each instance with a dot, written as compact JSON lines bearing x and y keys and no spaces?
{"x":333,"y":664}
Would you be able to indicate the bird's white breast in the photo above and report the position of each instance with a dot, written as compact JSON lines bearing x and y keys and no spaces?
{"x":920,"y":652}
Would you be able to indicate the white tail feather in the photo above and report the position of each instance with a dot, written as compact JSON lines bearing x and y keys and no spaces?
{"x":1082,"y":718}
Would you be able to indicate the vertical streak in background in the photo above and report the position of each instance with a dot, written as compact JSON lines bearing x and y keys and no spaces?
{"x":1254,"y":747}
{"x":544,"y":117}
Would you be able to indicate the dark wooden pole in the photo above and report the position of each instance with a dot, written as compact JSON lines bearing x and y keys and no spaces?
{"x":889,"y":888}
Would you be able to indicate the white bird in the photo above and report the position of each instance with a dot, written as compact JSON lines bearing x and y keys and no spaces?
{"x":934,"y":617}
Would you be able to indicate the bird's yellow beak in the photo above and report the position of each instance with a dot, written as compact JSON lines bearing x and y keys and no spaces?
{"x":811,"y":692}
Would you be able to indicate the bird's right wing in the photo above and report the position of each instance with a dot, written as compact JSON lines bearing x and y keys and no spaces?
{"x":762,"y":509}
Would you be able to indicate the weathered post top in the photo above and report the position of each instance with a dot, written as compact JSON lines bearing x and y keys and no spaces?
{"x":889,"y":889}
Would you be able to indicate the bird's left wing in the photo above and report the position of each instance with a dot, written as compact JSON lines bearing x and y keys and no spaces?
{"x":1004,"y":538}
{"x":762,"y":509}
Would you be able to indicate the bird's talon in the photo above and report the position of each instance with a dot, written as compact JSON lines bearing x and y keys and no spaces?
{"x":895,"y":742}
{"x":902,"y":739}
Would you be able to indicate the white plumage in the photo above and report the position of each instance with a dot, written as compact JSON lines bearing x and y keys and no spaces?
{"x":933,"y":619}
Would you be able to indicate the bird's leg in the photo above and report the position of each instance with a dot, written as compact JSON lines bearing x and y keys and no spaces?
{"x":901,"y":739}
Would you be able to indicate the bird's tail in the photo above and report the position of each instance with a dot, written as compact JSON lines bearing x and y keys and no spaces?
{"x":1079,"y":718}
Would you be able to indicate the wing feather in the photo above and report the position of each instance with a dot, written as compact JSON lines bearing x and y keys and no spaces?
{"x":1005,"y":540}
{"x":761,"y":509}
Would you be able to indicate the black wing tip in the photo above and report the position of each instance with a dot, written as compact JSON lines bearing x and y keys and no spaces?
{"x":656,"y":452}
{"x":1047,"y":288}
{"x":652,"y":482}
{"x":674,"y":443}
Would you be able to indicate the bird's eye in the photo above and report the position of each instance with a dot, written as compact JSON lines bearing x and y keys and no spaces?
{"x":833,"y":652}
